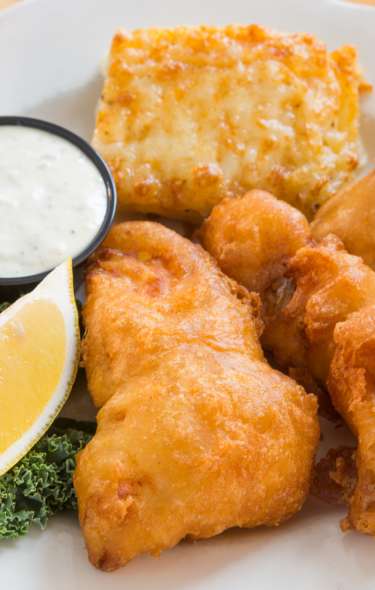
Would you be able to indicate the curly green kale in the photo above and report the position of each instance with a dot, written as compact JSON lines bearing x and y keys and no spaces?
{"x":41,"y":483}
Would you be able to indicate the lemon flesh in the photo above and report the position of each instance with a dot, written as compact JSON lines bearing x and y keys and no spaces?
{"x":39,"y":349}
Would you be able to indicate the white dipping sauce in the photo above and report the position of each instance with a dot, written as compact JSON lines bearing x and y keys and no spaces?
{"x":52,"y":200}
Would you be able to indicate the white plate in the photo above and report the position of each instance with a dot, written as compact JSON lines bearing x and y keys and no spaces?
{"x":50,"y":51}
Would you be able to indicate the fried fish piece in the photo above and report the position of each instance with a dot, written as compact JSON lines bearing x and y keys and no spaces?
{"x":191,"y":115}
{"x":196,"y":433}
{"x":329,"y":327}
{"x":351,"y":383}
{"x":319,"y":317}
{"x":350,"y":215}
{"x":329,"y":285}
{"x":253,"y":237}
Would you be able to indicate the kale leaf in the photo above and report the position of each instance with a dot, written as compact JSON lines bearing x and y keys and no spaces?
{"x":41,"y":483}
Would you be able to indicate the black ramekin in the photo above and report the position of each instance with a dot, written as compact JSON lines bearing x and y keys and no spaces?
{"x":102,"y":169}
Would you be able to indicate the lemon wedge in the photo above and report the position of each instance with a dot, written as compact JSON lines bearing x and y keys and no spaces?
{"x":39,"y":355}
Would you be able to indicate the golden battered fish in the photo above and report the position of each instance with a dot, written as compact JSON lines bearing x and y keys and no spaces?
{"x":351,"y":384}
{"x":319,"y":317}
{"x":350,"y":215}
{"x":191,"y":115}
{"x":253,"y":237}
{"x":196,"y":433}
{"x":330,"y":285}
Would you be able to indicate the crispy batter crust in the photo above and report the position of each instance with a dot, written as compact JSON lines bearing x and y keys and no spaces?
{"x":352,"y":386}
{"x":330,"y":285}
{"x":197,"y":432}
{"x":319,"y":320}
{"x":253,"y":237}
{"x":191,"y":115}
{"x":350,"y":215}
{"x":335,"y":477}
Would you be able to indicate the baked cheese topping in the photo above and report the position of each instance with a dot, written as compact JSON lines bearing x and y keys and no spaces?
{"x":191,"y":115}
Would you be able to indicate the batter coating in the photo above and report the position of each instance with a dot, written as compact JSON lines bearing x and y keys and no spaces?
{"x":197,"y":432}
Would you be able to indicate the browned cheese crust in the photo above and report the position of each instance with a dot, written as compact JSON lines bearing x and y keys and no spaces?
{"x":189,"y":116}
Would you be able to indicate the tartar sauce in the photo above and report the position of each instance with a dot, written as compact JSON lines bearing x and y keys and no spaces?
{"x":52,"y":200}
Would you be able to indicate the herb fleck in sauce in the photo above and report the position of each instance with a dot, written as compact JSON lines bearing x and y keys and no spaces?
{"x":52,"y":200}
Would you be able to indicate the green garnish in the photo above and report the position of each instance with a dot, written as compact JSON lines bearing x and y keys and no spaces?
{"x":41,"y":483}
